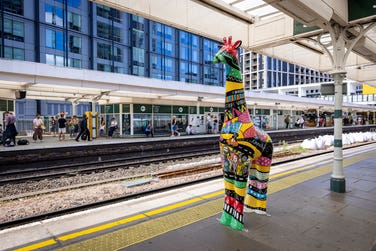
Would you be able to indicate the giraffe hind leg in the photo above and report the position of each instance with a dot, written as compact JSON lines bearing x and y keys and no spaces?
{"x":257,"y":185}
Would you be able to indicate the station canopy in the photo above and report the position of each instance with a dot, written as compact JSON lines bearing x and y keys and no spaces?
{"x":285,"y":29}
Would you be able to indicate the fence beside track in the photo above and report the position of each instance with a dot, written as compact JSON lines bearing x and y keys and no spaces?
{"x":75,"y":154}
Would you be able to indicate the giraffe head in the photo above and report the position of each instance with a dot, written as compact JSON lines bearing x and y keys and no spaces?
{"x":227,"y":52}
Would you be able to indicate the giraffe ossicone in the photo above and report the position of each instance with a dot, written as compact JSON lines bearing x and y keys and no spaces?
{"x":246,"y":151}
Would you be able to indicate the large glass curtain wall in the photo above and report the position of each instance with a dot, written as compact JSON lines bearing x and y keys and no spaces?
{"x":138,"y":46}
{"x":62,"y":27}
{"x":112,"y":40}
{"x":162,"y":51}
{"x":86,"y":35}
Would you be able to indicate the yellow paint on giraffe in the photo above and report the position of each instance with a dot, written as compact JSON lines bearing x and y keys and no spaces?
{"x":257,"y":153}
{"x":260,"y":168}
{"x":230,"y":186}
{"x":231,"y":86}
{"x":254,"y":203}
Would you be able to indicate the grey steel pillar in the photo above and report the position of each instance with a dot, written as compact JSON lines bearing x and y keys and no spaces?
{"x":74,"y":108}
{"x":337,"y":181}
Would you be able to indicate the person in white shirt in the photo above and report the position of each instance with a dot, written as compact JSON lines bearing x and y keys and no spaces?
{"x":189,"y":130}
{"x":113,"y":127}
{"x":38,"y":128}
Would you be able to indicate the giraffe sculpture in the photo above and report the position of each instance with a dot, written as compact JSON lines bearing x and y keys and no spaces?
{"x":246,"y":151}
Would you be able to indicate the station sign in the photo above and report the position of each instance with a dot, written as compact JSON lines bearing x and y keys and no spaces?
{"x":360,"y":9}
{"x":180,"y":109}
{"x":111,"y":108}
{"x":300,"y":28}
{"x":162,"y":109}
{"x":142,"y":108}
{"x":126,"y":108}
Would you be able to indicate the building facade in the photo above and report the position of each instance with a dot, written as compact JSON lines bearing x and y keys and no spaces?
{"x":85,"y":35}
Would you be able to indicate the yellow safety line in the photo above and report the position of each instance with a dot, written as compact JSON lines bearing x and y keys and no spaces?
{"x":38,"y":245}
{"x":274,"y":186}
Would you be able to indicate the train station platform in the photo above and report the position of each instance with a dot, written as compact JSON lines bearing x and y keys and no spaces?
{"x":303,"y":215}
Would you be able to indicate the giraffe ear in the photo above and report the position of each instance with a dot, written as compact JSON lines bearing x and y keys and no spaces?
{"x":237,"y":44}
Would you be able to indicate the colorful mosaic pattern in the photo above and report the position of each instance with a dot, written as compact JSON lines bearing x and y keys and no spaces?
{"x":246,"y":151}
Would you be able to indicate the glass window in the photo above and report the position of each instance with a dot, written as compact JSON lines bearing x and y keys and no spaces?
{"x":138,"y":38}
{"x":18,"y":29}
{"x":118,"y":54}
{"x":116,"y":34}
{"x":75,"y":44}
{"x":74,"y":62}
{"x":59,"y":40}
{"x":54,"y":15}
{"x":13,"y":30}
{"x":74,"y":21}
{"x":104,"y":51}
{"x":55,"y":39}
{"x":14,"y":6}
{"x":139,"y":122}
{"x":104,"y":67}
{"x":50,"y":59}
{"x":48,"y":13}
{"x":59,"y":60}
{"x":8,"y":26}
{"x":8,"y":52}
{"x":54,"y":60}
{"x":50,"y":39}
{"x":18,"y":54}
{"x":119,"y":69}
{"x":103,"y":30}
{"x":138,"y":62}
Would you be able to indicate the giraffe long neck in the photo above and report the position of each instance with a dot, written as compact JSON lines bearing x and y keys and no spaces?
{"x":235,"y":103}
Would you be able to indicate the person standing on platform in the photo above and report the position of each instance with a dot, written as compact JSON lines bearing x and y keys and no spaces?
{"x":287,"y":121}
{"x":83,"y":129}
{"x":113,"y":127}
{"x":76,"y":127}
{"x":38,"y":128}
{"x":102,"y":127}
{"x":62,"y":122}
{"x":174,"y":127}
{"x":215,"y":125}
{"x":53,"y":126}
{"x":10,"y":133}
{"x":208,"y":124}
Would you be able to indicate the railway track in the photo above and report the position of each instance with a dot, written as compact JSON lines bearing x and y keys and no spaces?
{"x":161,"y":175}
{"x":34,"y":174}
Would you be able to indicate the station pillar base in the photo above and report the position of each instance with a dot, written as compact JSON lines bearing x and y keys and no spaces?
{"x":338,"y":185}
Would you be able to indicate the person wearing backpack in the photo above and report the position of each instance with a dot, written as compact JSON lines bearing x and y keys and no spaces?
{"x":84,"y":130}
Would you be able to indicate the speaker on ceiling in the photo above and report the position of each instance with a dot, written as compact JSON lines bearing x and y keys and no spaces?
{"x":20,"y":94}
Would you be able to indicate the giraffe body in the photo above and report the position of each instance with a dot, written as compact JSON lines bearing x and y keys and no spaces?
{"x":246,"y":151}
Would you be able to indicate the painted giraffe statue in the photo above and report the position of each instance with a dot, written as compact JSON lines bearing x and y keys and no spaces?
{"x":246,"y":151}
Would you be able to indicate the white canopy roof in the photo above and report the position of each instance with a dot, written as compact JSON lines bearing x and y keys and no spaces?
{"x":268,"y":27}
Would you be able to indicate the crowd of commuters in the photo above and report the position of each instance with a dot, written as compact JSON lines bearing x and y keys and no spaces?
{"x":78,"y":129}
